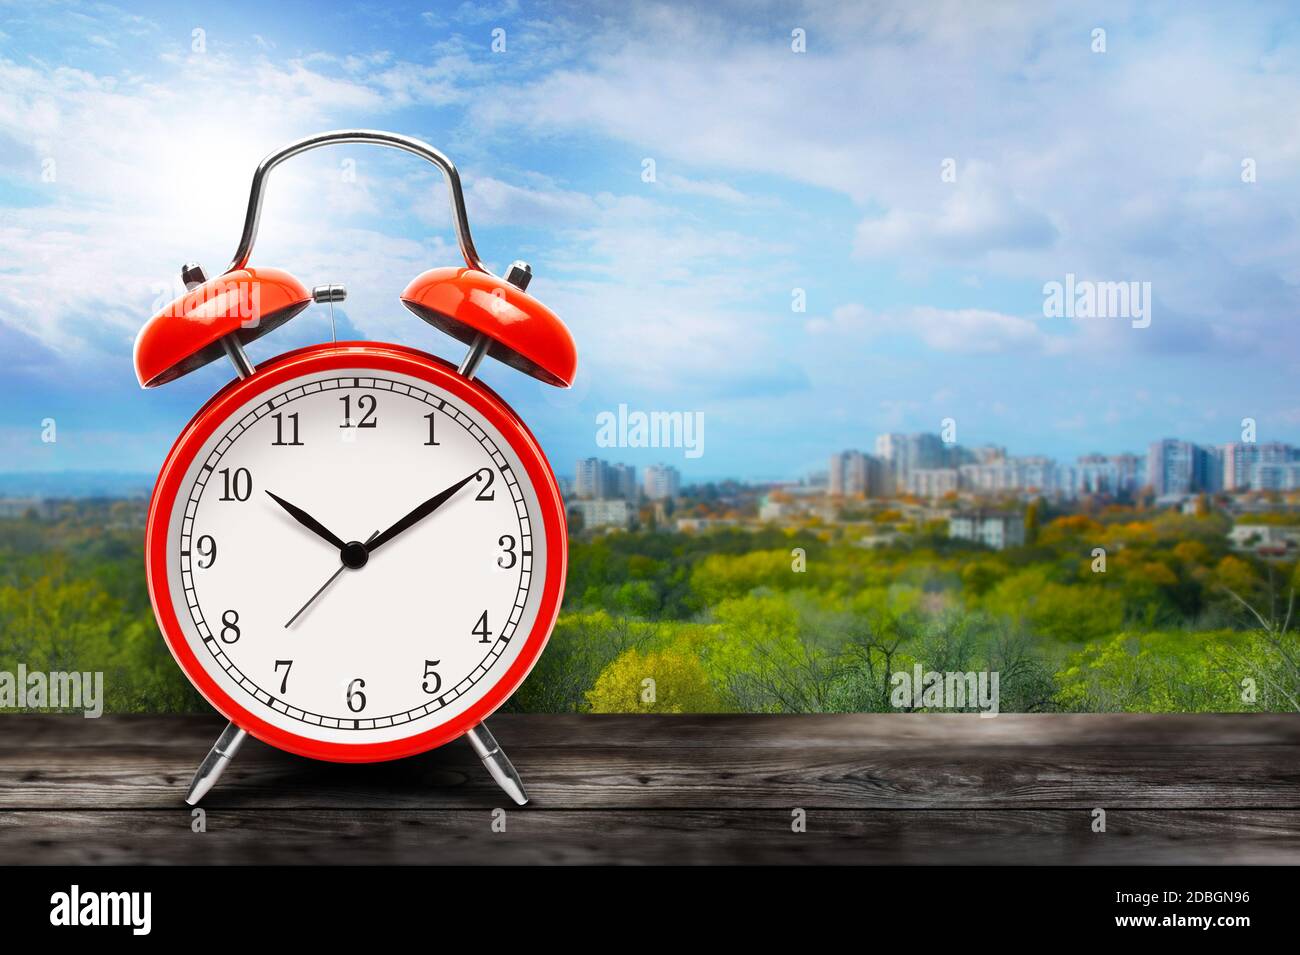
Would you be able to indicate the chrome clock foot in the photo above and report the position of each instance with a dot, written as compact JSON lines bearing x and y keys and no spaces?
{"x":497,"y":763}
{"x":215,"y":763}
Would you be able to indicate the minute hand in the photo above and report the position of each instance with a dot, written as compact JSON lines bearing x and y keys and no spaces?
{"x":420,"y":513}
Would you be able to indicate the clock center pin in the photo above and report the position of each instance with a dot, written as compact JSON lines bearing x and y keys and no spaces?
{"x":355,"y":555}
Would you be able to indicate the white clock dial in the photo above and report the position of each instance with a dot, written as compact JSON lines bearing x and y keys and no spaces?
{"x":433,"y":615}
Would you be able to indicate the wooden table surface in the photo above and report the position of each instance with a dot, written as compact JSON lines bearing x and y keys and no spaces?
{"x":876,"y":789}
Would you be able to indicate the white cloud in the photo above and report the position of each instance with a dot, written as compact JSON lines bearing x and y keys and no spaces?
{"x":960,"y":330}
{"x":708,"y":188}
{"x":145,"y":179}
{"x":475,"y":13}
{"x":660,"y":304}
{"x":977,"y":216}
{"x":1123,"y":165}
{"x":494,"y":202}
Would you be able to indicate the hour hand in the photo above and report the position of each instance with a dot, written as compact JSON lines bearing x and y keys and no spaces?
{"x":309,"y":522}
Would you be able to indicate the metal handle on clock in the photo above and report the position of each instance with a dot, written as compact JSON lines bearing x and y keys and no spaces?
{"x":373,"y":137}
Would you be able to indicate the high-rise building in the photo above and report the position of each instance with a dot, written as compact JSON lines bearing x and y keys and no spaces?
{"x":992,"y":477}
{"x":1279,"y":476}
{"x":887,"y":453}
{"x":1210,"y":465}
{"x":589,"y":479}
{"x":1040,"y":475}
{"x":1180,"y":467}
{"x":1117,"y":475}
{"x":988,"y":454}
{"x":851,"y":475}
{"x":622,"y":482}
{"x":933,"y":482}
{"x":596,"y":479}
{"x":904,"y":453}
{"x":1170,"y":466}
{"x":1240,"y":458}
{"x":662,"y":482}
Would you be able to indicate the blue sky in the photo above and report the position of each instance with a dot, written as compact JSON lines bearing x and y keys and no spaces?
{"x":774,"y":171}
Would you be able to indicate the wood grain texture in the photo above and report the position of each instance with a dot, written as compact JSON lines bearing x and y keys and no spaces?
{"x":655,"y":837}
{"x":933,"y":789}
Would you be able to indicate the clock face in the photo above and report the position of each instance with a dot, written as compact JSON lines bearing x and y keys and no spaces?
{"x":422,"y":613}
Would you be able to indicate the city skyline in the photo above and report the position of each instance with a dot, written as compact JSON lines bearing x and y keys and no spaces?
{"x":23,"y":478}
{"x":924,"y":464}
{"x":1230,"y":466}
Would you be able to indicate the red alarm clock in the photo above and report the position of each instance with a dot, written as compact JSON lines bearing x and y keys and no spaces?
{"x":356,"y":551}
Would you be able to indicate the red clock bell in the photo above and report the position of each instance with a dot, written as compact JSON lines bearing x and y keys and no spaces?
{"x":356,"y":550}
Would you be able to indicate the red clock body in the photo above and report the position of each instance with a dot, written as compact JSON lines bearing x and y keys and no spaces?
{"x":434,"y":630}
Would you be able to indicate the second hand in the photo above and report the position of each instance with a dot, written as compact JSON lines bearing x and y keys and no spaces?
{"x":333,"y":577}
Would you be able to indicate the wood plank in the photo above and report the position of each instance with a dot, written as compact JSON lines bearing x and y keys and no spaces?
{"x":850,"y":761}
{"x":464,"y":837}
{"x":857,"y":730}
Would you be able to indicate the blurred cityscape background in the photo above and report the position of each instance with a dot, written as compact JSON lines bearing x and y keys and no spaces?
{"x":979,"y":488}
{"x":839,"y":234}
{"x":1156,"y":582}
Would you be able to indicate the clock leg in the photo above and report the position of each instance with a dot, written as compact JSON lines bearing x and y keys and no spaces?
{"x":218,"y":758}
{"x":497,"y":763}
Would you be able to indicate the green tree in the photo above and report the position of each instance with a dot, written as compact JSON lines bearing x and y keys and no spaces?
{"x":1031,"y":522}
{"x":661,"y":681}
